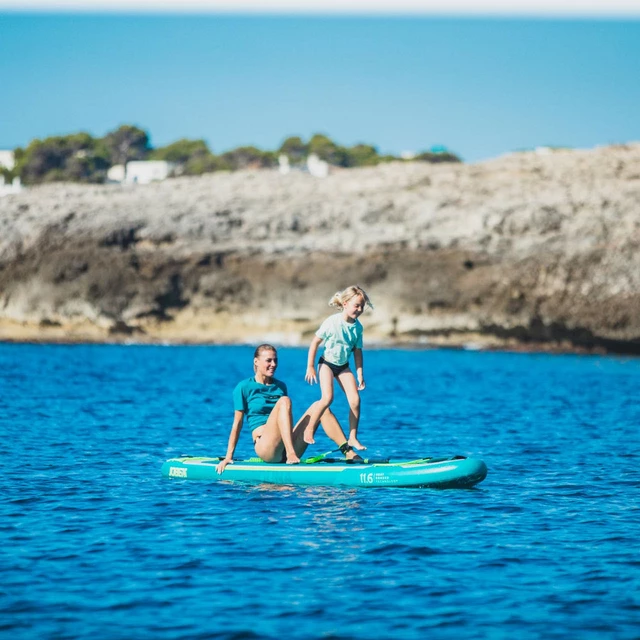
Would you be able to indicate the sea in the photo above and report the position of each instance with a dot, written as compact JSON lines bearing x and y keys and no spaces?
{"x":95,"y":543}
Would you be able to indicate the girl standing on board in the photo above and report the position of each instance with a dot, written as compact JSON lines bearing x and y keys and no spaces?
{"x":341,"y":334}
{"x":264,"y":401}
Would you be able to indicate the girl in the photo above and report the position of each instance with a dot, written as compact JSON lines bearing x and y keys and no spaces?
{"x":341,"y":334}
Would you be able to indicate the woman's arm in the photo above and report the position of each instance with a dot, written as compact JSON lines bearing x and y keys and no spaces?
{"x":357,"y":358}
{"x":238,"y":416}
{"x":310,"y":376}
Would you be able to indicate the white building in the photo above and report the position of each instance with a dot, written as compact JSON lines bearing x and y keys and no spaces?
{"x":7,"y":159}
{"x":283,"y":164}
{"x":115,"y":173}
{"x":141,"y":171}
{"x":317,"y":168}
{"x":9,"y":189}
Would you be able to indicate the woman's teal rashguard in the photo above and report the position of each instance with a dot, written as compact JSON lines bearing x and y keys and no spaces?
{"x":257,"y":400}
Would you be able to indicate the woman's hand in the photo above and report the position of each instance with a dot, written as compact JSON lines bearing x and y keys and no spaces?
{"x":361,"y":383}
{"x":310,"y":376}
{"x":223,"y":463}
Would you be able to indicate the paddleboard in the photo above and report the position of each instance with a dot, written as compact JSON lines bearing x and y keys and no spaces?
{"x":437,"y":473}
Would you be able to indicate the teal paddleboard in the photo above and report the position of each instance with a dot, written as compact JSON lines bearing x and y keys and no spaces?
{"x":437,"y":473}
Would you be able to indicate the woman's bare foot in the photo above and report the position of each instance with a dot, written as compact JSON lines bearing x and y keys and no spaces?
{"x":293,"y":459}
{"x":355,"y":443}
{"x":307,"y":436}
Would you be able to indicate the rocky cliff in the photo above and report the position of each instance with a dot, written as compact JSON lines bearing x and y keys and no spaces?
{"x":538,"y":250}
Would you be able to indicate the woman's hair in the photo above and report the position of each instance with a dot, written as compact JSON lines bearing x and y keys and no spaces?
{"x":260,"y":349}
{"x":340,"y":298}
{"x":264,"y":347}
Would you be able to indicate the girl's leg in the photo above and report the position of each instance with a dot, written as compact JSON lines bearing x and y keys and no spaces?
{"x":276,"y":434}
{"x":347,"y":381}
{"x":326,"y":387}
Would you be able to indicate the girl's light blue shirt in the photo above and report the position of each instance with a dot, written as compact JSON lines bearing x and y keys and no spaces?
{"x":340,"y":338}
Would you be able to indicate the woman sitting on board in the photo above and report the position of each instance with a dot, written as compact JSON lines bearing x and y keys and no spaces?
{"x":264,"y":401}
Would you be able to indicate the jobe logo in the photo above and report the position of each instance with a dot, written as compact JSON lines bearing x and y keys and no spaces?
{"x":177,"y":472}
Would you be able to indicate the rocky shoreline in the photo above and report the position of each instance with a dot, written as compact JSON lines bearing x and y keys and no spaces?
{"x":530,"y":251}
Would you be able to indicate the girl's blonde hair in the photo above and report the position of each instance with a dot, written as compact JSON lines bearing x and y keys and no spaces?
{"x":340,"y":298}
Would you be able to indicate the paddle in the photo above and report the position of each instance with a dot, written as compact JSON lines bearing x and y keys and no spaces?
{"x":323,"y":458}
{"x":361,"y":461}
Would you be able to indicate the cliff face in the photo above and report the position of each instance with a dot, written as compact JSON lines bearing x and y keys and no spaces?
{"x":527,"y":248}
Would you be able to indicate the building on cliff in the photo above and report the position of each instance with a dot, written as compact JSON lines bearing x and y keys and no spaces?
{"x":7,"y":159}
{"x":141,"y":172}
{"x":10,"y":189}
{"x":316,"y":167}
{"x":283,"y":164}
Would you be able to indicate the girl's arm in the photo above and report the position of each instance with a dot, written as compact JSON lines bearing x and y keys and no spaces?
{"x":233,"y":440}
{"x":357,"y":358}
{"x":310,"y":376}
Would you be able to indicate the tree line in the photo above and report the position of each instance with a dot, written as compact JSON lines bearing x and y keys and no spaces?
{"x":80,"y":157}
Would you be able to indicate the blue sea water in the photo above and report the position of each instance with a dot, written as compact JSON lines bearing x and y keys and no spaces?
{"x":96,"y":544}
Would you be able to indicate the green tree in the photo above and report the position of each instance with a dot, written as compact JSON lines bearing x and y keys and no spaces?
{"x":7,"y":174}
{"x":247,"y":157}
{"x":328,"y":150}
{"x":180,"y":151}
{"x":199,"y":164}
{"x":19,"y":157}
{"x":71,"y":158}
{"x":437,"y":156}
{"x":325,"y":149}
{"x":126,"y":143}
{"x":193,"y":157}
{"x":362,"y":155}
{"x":295,"y":149}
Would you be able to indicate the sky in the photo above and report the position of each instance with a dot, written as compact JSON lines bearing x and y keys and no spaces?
{"x":482,"y":83}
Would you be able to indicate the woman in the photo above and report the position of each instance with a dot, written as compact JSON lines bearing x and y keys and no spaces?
{"x":264,"y":401}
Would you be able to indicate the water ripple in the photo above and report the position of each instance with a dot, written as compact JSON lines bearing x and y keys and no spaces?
{"x":97,"y":544}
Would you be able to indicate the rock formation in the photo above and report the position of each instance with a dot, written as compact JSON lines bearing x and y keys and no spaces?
{"x":532,"y":250}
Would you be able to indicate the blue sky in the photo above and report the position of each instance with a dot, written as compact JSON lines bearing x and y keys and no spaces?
{"x":481,"y":86}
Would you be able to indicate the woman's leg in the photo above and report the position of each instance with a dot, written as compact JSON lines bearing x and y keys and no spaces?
{"x":326,"y":387}
{"x":347,"y":381}
{"x":333,"y":429}
{"x":277,"y":434}
{"x":330,"y":425}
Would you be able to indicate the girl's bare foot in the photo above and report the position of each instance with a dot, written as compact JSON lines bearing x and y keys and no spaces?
{"x":351,"y":455}
{"x":307,"y":436}
{"x":355,"y":443}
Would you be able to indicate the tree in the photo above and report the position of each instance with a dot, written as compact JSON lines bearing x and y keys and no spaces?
{"x":199,"y":164}
{"x":245,"y":157}
{"x":295,"y":149}
{"x":181,"y":151}
{"x":438,"y":156}
{"x":71,"y":158}
{"x":126,"y":143}
{"x":192,"y":156}
{"x":328,"y":150}
{"x":7,"y":174}
{"x":362,"y":155}
{"x":79,"y":157}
